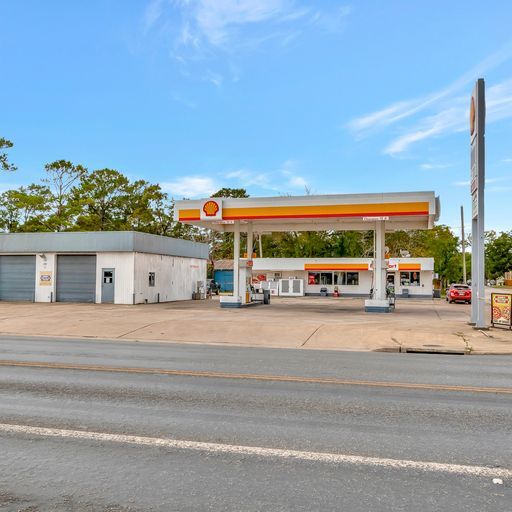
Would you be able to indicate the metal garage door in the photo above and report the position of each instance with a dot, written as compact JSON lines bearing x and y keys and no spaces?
{"x":76,"y":278}
{"x":17,"y":277}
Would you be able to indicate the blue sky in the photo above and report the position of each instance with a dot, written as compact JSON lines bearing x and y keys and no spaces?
{"x":270,"y":95}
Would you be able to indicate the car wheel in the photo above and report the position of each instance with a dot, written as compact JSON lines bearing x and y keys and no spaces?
{"x":469,"y":302}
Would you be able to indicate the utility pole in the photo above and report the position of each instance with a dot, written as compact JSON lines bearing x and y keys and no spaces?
{"x":464,"y":279}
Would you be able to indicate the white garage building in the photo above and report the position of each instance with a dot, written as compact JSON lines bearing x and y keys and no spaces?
{"x":121,"y":267}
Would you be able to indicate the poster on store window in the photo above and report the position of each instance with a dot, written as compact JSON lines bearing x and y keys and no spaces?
{"x":501,"y":309}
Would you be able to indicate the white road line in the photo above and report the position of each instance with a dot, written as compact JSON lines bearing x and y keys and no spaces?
{"x":330,"y":458}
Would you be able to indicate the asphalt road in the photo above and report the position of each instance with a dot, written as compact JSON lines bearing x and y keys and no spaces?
{"x":250,"y":429}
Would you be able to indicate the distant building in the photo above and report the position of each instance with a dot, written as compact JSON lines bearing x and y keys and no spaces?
{"x":347,"y":276}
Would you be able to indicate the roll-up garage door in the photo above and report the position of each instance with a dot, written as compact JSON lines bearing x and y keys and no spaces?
{"x":76,"y":278}
{"x":17,"y":277}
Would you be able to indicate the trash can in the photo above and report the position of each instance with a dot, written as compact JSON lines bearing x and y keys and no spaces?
{"x":405,"y":293}
{"x":437,"y":293}
{"x":323,"y":292}
{"x":266,"y":296}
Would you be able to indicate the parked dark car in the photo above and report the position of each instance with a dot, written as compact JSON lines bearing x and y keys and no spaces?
{"x":459,"y":293}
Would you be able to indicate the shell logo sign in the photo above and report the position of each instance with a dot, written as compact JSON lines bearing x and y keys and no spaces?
{"x":211,"y":209}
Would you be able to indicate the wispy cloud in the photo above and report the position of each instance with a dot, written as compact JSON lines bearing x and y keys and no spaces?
{"x":190,"y":186}
{"x":152,"y":14}
{"x":488,"y":181}
{"x":507,"y":160}
{"x":500,"y":188}
{"x":406,"y":108}
{"x":216,"y":21}
{"x":431,"y":166}
{"x":214,"y":78}
{"x":201,"y":30}
{"x":454,"y":118}
{"x":284,"y":179}
{"x":441,"y":112}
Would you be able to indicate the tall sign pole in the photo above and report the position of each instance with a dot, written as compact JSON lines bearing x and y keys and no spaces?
{"x":464,"y":276}
{"x":477,"y":134}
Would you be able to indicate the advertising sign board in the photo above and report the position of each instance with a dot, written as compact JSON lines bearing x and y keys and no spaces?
{"x":45,"y":278}
{"x":501,"y":309}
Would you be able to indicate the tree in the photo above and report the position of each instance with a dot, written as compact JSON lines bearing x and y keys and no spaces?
{"x":9,"y":212}
{"x":24,"y":209}
{"x":100,"y":197}
{"x":498,"y":254}
{"x":4,"y":162}
{"x":438,"y":242}
{"x":231,"y":192}
{"x":61,"y":177}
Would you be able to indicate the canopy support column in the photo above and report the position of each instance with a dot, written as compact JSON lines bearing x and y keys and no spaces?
{"x":379,"y":303}
{"x":234,"y":300}
{"x":236,"y":262}
{"x":250,"y":241}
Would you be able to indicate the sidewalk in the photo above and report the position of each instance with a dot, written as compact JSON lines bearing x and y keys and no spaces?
{"x":304,"y":322}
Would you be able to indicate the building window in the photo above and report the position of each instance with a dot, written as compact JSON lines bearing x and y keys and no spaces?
{"x":353,"y":278}
{"x":151,"y":279}
{"x":320,"y":278}
{"x":314,"y":278}
{"x":340,"y":278}
{"x":409,"y":278}
{"x":325,"y":277}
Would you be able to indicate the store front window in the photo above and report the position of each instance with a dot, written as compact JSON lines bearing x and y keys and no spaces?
{"x":320,"y":278}
{"x":352,"y":278}
{"x":337,"y":278}
{"x":409,"y":278}
{"x":340,"y":278}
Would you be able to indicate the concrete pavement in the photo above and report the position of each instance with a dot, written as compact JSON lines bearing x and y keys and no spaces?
{"x":305,"y":322}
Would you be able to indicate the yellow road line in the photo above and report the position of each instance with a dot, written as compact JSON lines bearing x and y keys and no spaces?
{"x":258,"y":377}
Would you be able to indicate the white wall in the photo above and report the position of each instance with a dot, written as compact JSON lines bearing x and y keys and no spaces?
{"x":426,"y":286}
{"x":175,"y":277}
{"x":44,"y":292}
{"x":123,"y":264}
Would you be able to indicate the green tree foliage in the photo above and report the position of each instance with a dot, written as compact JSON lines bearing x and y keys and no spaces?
{"x":231,"y":192}
{"x":439,"y":243}
{"x":498,"y":253}
{"x":106,"y":200}
{"x":5,"y":165}
{"x":61,"y":178}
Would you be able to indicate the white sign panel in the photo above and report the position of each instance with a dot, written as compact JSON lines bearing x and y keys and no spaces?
{"x":211,"y":209}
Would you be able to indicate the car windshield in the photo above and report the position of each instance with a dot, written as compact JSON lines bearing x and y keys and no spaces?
{"x":461,"y":287}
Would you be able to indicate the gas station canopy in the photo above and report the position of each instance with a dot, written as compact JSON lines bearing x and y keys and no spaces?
{"x":358,"y":212}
